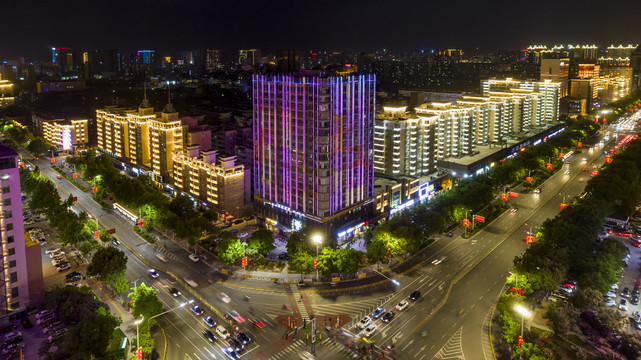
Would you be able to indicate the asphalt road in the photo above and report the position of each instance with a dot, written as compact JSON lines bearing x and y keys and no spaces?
{"x":476,"y":267}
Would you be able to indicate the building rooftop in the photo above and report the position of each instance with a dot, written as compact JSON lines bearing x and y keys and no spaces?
{"x":6,"y":151}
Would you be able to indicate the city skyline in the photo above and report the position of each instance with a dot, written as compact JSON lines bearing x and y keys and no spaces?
{"x":405,"y":25}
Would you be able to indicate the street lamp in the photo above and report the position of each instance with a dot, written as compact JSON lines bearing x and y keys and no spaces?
{"x":317,"y":239}
{"x":394,"y":281}
{"x":137,"y":322}
{"x":524,"y":312}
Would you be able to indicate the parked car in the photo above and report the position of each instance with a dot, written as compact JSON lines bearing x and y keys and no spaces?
{"x":194,"y":257}
{"x":623,"y":305}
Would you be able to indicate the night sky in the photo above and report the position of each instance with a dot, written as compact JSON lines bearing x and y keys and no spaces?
{"x":31,"y":27}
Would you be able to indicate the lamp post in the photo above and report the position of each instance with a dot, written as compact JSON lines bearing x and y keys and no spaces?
{"x":142,"y":318}
{"x":524,"y":312}
{"x":394,"y":281}
{"x":317,"y":239}
{"x":137,"y":322}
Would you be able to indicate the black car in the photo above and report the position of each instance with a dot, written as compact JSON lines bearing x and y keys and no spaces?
{"x":634,"y":300}
{"x":174,"y":292}
{"x":209,"y":335}
{"x":415,"y":295}
{"x":26,"y":323}
{"x":15,"y":340}
{"x":115,"y":241}
{"x":235,"y":344}
{"x":73,"y":274}
{"x":73,"y":279}
{"x":388,"y":316}
{"x":243,"y":338}
{"x":625,"y":293}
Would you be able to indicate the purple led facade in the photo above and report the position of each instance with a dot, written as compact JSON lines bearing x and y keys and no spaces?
{"x":313,"y":142}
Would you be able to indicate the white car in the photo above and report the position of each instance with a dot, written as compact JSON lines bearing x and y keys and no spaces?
{"x":153,"y":273}
{"x":584,"y":159}
{"x":224,"y":298}
{"x":49,"y":251}
{"x":514,"y":210}
{"x":194,"y":257}
{"x":369,"y":330}
{"x":567,"y":172}
{"x":56,"y":253}
{"x":364,"y":322}
{"x":610,"y":302}
{"x":437,"y":261}
{"x":222,"y":332}
{"x":623,"y":305}
{"x":402,"y":305}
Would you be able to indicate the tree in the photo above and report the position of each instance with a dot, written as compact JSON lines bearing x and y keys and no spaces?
{"x":348,"y":261}
{"x":262,"y":241}
{"x":92,"y":335}
{"x":109,"y":263}
{"x":301,"y":262}
{"x":299,"y":241}
{"x":121,"y":285}
{"x":563,"y":317}
{"x":145,"y":302}
{"x":326,"y":262}
{"x":230,"y":249}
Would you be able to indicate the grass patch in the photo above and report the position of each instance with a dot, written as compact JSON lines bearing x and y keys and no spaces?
{"x":114,"y":344}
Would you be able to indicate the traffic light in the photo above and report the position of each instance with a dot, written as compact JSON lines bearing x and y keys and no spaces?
{"x":314,"y":263}
{"x":244,"y":261}
{"x":140,"y":222}
{"x":138,"y":353}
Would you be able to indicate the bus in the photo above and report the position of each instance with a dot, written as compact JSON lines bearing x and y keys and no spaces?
{"x":126,"y":213}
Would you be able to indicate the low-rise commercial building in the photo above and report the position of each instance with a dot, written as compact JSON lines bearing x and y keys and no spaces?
{"x":219,"y":182}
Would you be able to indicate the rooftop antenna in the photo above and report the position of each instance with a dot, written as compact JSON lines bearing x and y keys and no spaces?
{"x":169,"y":108}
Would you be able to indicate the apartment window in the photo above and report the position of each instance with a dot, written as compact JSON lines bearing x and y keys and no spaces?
{"x":15,"y":305}
{"x":13,"y":277}
{"x":9,"y":239}
{"x":6,"y":202}
{"x":6,"y":189}
{"x":8,"y":214}
{"x":14,"y":292}
{"x":9,"y":227}
{"x":12,"y":263}
{"x":12,"y":251}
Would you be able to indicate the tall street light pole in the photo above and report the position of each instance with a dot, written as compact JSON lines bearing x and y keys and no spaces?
{"x":142,"y":318}
{"x":524,"y":312}
{"x":317,"y":239}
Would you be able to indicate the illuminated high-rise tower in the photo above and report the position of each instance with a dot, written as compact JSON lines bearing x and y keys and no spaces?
{"x":313,"y":151}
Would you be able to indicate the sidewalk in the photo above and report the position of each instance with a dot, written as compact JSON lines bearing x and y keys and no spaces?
{"x":115,"y":307}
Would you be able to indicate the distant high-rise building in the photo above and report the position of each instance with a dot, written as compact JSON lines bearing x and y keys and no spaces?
{"x":313,"y":151}
{"x":249,"y":57}
{"x":21,"y":281}
{"x":454,"y":126}
{"x":146,"y":56}
{"x":64,"y":59}
{"x":141,"y":137}
{"x":557,"y":71}
{"x":404,"y":144}
{"x":550,"y":95}
{"x":100,"y":62}
{"x":287,"y":60}
{"x":6,"y":93}
{"x":212,"y":59}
